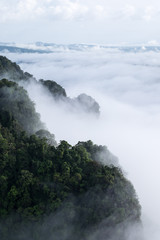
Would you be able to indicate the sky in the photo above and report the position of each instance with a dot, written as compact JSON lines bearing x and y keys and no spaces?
{"x":80,"y":21}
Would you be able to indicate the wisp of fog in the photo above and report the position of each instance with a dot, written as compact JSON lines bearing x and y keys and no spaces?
{"x":127,"y":87}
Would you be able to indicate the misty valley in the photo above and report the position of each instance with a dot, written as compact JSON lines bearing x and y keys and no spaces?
{"x":59,"y":108}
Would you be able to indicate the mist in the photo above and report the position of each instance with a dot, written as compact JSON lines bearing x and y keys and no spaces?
{"x":126,"y":85}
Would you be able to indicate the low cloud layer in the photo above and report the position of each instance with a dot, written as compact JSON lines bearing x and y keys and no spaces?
{"x":127,"y":86}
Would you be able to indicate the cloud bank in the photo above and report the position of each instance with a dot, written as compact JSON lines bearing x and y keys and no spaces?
{"x":127,"y":86}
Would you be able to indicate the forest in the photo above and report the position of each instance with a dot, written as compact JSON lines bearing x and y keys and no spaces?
{"x":51,"y":190}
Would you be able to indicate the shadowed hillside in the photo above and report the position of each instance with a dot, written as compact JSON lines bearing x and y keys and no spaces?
{"x":57,"y":192}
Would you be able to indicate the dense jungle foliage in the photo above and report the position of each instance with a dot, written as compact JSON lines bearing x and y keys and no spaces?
{"x":54,"y":192}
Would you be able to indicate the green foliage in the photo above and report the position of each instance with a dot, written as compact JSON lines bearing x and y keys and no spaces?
{"x":99,"y":153}
{"x":83,"y":102}
{"x":14,"y":101}
{"x":50,"y":138}
{"x":40,"y":180}
{"x":37,"y":179}
{"x":55,"y":89}
{"x":12,"y":71}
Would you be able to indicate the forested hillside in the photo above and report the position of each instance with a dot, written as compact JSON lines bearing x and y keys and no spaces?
{"x":12,"y":71}
{"x":50,"y":191}
{"x":82,"y":103}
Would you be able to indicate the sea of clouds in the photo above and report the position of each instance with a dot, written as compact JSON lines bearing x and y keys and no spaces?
{"x":127,"y":87}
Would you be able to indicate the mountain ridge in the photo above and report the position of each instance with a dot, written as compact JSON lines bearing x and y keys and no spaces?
{"x":50,"y":191}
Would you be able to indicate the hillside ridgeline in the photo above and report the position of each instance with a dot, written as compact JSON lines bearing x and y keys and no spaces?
{"x":60,"y":192}
{"x":82,"y":104}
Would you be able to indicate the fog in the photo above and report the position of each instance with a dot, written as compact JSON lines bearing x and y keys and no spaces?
{"x":126,"y":85}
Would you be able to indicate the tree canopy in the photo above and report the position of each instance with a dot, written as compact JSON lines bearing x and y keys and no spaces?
{"x":50,"y":191}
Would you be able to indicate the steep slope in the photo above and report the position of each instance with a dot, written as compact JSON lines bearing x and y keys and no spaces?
{"x":12,"y":71}
{"x":62,"y":192}
{"x":55,"y":89}
{"x":14,"y":99}
{"x":38,"y":180}
{"x":82,"y":104}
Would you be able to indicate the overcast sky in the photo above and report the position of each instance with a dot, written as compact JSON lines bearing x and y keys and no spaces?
{"x":80,"y":21}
